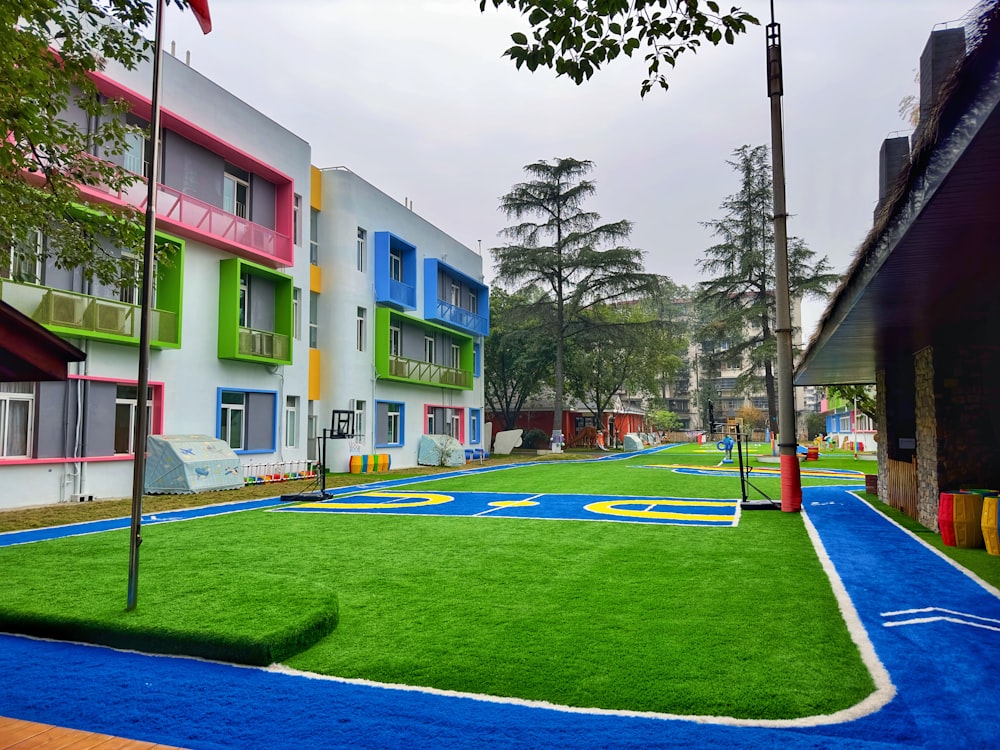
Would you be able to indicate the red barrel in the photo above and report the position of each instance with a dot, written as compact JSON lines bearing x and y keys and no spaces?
{"x":946,"y":518}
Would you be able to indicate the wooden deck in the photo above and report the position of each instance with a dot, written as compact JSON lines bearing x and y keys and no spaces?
{"x":27,"y":735}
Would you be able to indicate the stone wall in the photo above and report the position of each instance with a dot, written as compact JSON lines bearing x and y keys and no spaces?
{"x":927,"y":439}
{"x":881,"y":449}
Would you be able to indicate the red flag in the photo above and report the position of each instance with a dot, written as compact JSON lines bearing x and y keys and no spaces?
{"x":200,"y":8}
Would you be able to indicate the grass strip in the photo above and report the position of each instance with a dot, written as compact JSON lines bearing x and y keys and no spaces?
{"x":199,"y":595}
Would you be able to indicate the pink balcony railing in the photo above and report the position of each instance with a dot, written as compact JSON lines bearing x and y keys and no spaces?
{"x":182,"y":209}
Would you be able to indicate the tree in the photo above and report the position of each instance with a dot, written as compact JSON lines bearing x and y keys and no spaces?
{"x":517,"y":359}
{"x":577,"y":37}
{"x":740,"y":294}
{"x":566,"y":254}
{"x":663,"y":419}
{"x":753,"y":418}
{"x":862,"y":395}
{"x":611,"y":354}
{"x":47,"y":51}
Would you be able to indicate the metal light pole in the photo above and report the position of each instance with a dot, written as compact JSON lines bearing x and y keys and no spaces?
{"x":141,"y":420}
{"x":791,"y":481}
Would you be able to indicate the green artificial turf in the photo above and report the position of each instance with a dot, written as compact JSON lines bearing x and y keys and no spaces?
{"x":738,"y":622}
{"x":228,"y":599}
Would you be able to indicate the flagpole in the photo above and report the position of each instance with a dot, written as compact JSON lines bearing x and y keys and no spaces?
{"x":142,"y":421}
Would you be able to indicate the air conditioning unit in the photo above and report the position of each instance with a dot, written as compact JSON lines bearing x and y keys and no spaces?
{"x":63,"y":310}
{"x":261,"y":344}
{"x":112,"y":319}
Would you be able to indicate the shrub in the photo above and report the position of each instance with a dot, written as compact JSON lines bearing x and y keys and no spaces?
{"x":535,"y":438}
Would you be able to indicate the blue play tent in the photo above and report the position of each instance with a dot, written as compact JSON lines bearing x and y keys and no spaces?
{"x":190,"y":463}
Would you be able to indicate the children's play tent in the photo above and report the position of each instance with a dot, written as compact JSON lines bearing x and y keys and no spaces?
{"x":190,"y":463}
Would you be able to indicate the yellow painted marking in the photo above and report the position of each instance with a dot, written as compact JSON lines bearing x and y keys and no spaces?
{"x":512,"y":503}
{"x":428,"y":498}
{"x":766,"y":471}
{"x":611,"y":508}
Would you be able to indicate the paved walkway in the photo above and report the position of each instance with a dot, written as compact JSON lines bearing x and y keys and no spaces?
{"x":935,"y":630}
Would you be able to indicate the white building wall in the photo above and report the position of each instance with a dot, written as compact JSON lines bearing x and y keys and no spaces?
{"x":350,"y":202}
{"x":191,"y":374}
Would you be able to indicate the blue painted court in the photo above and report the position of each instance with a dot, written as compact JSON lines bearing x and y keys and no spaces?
{"x":618,"y":508}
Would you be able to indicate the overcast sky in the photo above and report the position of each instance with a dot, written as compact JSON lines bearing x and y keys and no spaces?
{"x":415,"y":97}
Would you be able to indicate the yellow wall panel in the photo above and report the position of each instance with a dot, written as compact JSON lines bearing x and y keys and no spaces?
{"x":315,"y":188}
{"x":314,"y":374}
{"x":315,"y":279}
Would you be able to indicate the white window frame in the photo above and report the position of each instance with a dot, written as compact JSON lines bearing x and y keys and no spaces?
{"x":456,"y":294}
{"x":244,"y":300}
{"x":362,"y":248}
{"x":473,"y":302}
{"x":8,"y":396}
{"x":313,"y":236}
{"x":313,"y":320}
{"x":362,"y":327}
{"x":396,"y":264}
{"x":133,"y":404}
{"x":359,"y":417}
{"x":395,"y":340}
{"x":393,"y":416}
{"x":297,"y":219}
{"x":297,"y":313}
{"x":24,"y":265}
{"x":228,"y":411}
{"x":232,"y":187}
{"x":429,"y":349}
{"x":291,"y":421}
{"x":456,"y":357}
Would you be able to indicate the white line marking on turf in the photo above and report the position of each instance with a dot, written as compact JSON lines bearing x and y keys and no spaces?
{"x":926,"y":620}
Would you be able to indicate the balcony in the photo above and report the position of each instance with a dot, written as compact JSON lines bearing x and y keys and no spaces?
{"x":402,"y":294}
{"x":428,"y":373}
{"x":75,"y":314}
{"x":185,"y":215}
{"x":461,"y":318}
{"x":268,"y":344}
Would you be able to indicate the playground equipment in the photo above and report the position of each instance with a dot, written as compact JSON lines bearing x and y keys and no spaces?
{"x":746,"y":504}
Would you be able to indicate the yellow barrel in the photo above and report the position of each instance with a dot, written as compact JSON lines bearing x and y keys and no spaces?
{"x":968,"y":517}
{"x":991,"y":537}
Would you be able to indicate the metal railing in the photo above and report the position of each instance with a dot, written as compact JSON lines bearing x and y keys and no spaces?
{"x":461,"y":317}
{"x":256,"y":343}
{"x":428,"y":372}
{"x":184,"y":209}
{"x":58,"y":308}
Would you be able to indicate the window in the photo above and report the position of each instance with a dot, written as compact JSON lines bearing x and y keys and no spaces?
{"x":232,"y":424}
{"x":395,"y":341}
{"x":297,"y":219}
{"x":24,"y":265}
{"x":126,"y":406}
{"x":314,"y":236}
{"x":455,"y":424}
{"x":247,"y":420}
{"x":428,"y":349}
{"x":362,"y":259}
{"x":291,"y":421}
{"x":313,"y":319}
{"x":475,"y":416}
{"x":430,"y":423}
{"x":244,"y":298}
{"x":476,"y":360}
{"x":236,"y":191}
{"x":132,"y":270}
{"x":389,"y":426}
{"x":17,"y":410}
{"x":473,"y":302}
{"x":312,"y":424}
{"x":297,"y":313}
{"x":445,"y":420}
{"x":456,"y":294}
{"x":359,"y":417}
{"x":395,"y":264}
{"x":361,"y":327}
{"x":456,"y":356}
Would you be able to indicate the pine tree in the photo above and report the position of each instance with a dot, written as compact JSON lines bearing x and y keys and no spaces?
{"x":740,"y":295}
{"x":563,"y":249}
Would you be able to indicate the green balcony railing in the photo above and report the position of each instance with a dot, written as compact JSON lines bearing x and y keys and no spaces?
{"x":428,"y":372}
{"x":92,"y":317}
{"x":268,"y":344}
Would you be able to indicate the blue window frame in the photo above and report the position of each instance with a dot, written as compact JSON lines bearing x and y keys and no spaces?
{"x":247,"y":420}
{"x":475,"y":422}
{"x":389,"y":424}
